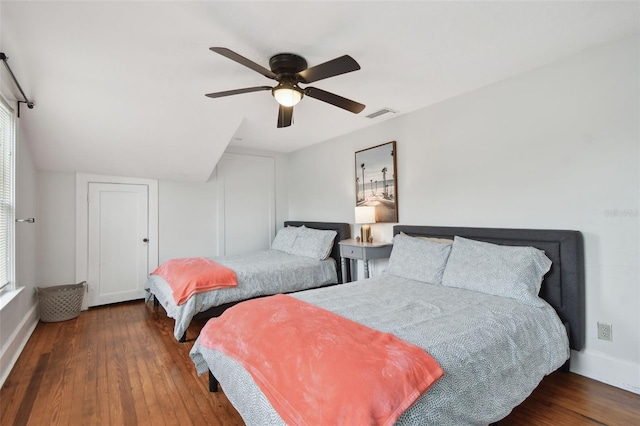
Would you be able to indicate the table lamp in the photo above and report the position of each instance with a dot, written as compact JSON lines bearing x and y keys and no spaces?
{"x":365,"y":215}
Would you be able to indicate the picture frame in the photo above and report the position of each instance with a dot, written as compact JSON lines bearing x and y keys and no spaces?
{"x":376,"y":180}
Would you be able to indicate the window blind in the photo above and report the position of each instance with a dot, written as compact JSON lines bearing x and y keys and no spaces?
{"x":7,"y":141}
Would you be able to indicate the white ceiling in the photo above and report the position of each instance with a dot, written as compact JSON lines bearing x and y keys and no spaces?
{"x":119,"y":86}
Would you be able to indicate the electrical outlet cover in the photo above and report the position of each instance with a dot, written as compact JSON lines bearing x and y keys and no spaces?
{"x":604,"y":331}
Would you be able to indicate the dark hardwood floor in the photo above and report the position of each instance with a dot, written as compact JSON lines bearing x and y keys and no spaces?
{"x":120,"y":365}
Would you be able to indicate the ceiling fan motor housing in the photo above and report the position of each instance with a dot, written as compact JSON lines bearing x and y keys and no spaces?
{"x":287,"y":63}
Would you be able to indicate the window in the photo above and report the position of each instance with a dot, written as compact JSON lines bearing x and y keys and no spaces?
{"x":7,"y":222}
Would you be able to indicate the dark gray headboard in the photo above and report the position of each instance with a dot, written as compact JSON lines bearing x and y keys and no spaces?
{"x":563,"y":286}
{"x":343,"y":230}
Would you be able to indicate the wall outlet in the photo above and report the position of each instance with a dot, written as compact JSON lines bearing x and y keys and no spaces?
{"x":604,"y":331}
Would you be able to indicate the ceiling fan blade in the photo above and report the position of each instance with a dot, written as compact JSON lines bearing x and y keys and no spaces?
{"x":334,"y":99}
{"x":341,"y":65}
{"x":238,"y":91}
{"x":285,"y":116}
{"x":243,"y":61}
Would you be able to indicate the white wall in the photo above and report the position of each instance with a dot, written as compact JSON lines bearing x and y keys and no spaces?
{"x":187,"y":219}
{"x":557,"y":147}
{"x":56,"y":228}
{"x":189,"y":211}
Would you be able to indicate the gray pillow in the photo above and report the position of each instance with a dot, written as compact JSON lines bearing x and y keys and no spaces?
{"x":418,"y":259}
{"x":508,"y":271}
{"x":313,"y":243}
{"x":285,"y":238}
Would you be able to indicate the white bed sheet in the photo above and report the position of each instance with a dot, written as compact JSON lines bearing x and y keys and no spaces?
{"x":261,"y":273}
{"x":494,"y":350}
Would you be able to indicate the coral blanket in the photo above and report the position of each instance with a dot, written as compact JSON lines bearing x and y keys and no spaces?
{"x":192,"y":275}
{"x":318,"y":368}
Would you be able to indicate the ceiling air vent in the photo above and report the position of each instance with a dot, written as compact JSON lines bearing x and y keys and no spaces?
{"x":381,"y":112}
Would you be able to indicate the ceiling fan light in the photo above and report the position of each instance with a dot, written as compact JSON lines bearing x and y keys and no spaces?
{"x":287,"y":95}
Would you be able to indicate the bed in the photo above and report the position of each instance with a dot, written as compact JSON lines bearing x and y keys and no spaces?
{"x":259,"y":274}
{"x":494,"y":350}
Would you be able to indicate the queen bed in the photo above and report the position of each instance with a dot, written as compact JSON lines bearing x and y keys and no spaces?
{"x":494,"y":343}
{"x":292,"y":264}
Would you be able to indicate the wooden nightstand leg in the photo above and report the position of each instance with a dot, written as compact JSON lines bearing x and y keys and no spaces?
{"x":353,"y":267}
{"x":343,"y":262}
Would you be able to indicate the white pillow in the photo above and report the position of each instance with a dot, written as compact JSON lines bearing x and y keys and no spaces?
{"x":285,"y":238}
{"x":508,"y":271}
{"x":418,"y":259}
{"x":313,"y":243}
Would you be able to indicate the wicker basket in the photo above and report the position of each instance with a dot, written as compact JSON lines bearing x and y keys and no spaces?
{"x":61,"y":302}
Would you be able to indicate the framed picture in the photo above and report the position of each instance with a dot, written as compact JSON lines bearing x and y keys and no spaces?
{"x":376,"y":180}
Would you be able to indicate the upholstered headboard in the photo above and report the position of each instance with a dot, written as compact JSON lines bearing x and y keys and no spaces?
{"x":343,"y":230}
{"x":563,"y":285}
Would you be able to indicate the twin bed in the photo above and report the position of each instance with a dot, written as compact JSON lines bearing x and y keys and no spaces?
{"x":285,"y":269}
{"x":448,"y":292}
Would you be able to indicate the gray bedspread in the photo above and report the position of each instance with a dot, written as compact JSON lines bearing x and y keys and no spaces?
{"x":261,"y":273}
{"x":494,"y":350}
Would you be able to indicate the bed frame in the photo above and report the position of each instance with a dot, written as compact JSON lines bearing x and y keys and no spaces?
{"x":563,"y":285}
{"x":343,"y":232}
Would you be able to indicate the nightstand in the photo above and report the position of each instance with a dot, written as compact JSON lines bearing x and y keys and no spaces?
{"x":353,"y":250}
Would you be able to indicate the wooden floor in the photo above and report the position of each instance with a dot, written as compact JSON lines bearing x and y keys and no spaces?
{"x":120,"y":365}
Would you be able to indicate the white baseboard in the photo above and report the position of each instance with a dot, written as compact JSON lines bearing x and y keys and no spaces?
{"x":607,"y":369}
{"x":17,"y":342}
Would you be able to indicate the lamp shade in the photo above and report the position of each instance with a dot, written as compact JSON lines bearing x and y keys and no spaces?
{"x":365,"y":214}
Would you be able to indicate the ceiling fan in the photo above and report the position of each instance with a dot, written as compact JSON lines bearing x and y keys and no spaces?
{"x":289,"y":70}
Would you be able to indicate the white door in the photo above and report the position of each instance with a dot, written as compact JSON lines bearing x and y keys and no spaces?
{"x":246,"y":197}
{"x":118,"y":224}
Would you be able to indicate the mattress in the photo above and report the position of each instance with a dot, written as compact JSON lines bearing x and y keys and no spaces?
{"x":494,"y":350}
{"x":261,"y":273}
